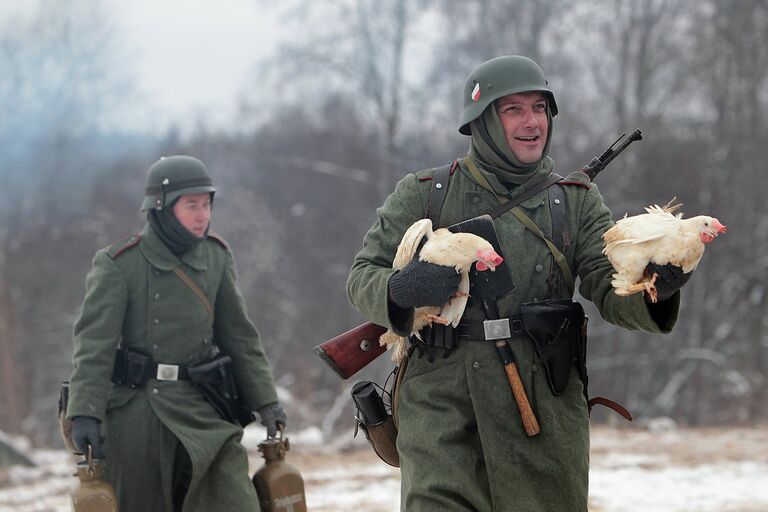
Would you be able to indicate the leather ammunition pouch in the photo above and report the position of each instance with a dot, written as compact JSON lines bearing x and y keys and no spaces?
{"x":435,"y":339}
{"x":132,"y":368}
{"x":558,"y":331}
{"x":216,"y":381}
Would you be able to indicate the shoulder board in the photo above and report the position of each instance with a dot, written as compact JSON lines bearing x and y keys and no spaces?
{"x":122,"y":245}
{"x":218,"y":239}
{"x":578,"y":178}
{"x":429,"y":174}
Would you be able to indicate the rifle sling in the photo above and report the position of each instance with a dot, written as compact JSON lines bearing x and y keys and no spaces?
{"x":437,"y":193}
{"x":513,"y":205}
{"x":196,"y":289}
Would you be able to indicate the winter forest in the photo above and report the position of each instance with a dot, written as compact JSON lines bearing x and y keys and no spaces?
{"x":331,"y":120}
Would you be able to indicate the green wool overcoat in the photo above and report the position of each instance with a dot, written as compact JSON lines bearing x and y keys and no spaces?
{"x":133,"y":299}
{"x":461,"y":441}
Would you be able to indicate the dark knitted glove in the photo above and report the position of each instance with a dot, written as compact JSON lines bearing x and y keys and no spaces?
{"x":272,"y":415}
{"x":85,"y":431}
{"x":670,"y":279}
{"x":423,"y":284}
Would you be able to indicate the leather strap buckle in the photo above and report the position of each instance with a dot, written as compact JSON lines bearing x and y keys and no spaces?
{"x":497,"y":329}
{"x":503,"y":328}
{"x":167,"y":372}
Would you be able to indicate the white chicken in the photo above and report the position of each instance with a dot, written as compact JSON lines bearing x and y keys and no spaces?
{"x":660,"y":237}
{"x":443,"y":247}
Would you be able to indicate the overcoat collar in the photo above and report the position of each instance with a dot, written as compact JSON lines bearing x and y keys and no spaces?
{"x":501,"y":190}
{"x":160,"y":257}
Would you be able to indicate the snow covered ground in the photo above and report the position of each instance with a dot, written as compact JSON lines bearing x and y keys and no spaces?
{"x":633,"y":469}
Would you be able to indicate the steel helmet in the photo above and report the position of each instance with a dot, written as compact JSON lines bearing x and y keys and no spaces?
{"x":499,"y":77}
{"x":172,"y":177}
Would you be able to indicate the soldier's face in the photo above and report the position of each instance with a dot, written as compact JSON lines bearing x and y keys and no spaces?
{"x":194,"y":212}
{"x":524,"y":119}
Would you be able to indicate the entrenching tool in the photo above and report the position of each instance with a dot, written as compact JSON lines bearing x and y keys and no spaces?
{"x":485,"y":287}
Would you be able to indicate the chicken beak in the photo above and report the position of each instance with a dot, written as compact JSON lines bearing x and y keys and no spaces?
{"x":488,"y":260}
{"x":720,"y":228}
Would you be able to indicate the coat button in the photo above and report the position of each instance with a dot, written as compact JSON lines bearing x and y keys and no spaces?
{"x":476,"y":365}
{"x":476,"y":199}
{"x":157,"y":296}
{"x":155,"y":391}
{"x":205,"y":341}
{"x":157,"y":273}
{"x":154,"y":347}
{"x":539,"y":267}
{"x":557,"y":201}
{"x":156,"y":321}
{"x":535,"y":368}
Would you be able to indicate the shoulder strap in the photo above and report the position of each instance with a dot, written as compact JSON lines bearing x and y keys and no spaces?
{"x":508,"y":204}
{"x":513,"y":205}
{"x":437,"y":193}
{"x":559,"y":256}
{"x":560,"y":235}
{"x":193,"y":286}
{"x":117,"y":248}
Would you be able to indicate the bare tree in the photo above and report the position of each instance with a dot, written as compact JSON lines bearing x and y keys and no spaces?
{"x":357,"y":50}
{"x":61,"y":75}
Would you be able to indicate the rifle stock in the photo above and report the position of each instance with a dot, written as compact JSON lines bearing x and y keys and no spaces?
{"x":351,"y":351}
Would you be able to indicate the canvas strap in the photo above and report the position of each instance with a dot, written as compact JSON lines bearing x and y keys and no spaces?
{"x":512,"y":206}
{"x":193,"y":286}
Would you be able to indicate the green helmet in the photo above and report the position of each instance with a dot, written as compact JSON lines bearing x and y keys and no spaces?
{"x":172,"y":177}
{"x":499,"y":77}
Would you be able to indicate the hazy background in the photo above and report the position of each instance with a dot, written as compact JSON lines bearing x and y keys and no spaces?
{"x":307,"y":114}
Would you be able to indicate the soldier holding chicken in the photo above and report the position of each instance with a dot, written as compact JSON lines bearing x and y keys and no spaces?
{"x":461,"y":442}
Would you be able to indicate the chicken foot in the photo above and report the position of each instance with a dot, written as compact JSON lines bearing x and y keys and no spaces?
{"x":647,"y":285}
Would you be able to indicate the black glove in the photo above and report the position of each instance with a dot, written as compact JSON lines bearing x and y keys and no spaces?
{"x":670,"y":279}
{"x":271,"y":416}
{"x":423,"y":284}
{"x":85,"y":431}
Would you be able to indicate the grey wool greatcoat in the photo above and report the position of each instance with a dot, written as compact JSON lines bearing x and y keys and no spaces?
{"x":461,"y":442}
{"x":133,"y":299}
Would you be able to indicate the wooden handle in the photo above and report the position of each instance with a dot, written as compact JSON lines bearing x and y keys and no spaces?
{"x":530,"y":423}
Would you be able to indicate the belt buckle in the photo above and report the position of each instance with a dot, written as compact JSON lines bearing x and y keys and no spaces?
{"x":167,"y":371}
{"x":496,"y":329}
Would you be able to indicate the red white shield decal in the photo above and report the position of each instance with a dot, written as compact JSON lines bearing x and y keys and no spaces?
{"x":476,"y":93}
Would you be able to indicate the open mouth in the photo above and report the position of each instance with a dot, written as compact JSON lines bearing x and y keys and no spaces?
{"x":528,"y":139}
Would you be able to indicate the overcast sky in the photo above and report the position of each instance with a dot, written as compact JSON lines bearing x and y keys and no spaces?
{"x":195,"y":56}
{"x":192,"y":57}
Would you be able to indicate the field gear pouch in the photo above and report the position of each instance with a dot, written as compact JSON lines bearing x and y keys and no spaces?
{"x":216,"y":381}
{"x":556,"y":328}
{"x":375,"y":418}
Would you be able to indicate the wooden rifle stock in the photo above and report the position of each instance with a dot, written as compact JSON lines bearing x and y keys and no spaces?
{"x":351,"y":351}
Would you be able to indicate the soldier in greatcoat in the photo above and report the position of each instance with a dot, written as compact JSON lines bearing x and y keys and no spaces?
{"x":461,"y":442}
{"x":170,"y":295}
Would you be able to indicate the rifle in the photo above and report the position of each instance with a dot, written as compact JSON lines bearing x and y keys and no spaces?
{"x":353,"y":350}
{"x":599,"y":163}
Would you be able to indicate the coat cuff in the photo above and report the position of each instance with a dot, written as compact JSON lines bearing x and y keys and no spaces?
{"x":665,"y":313}
{"x":400,"y":319}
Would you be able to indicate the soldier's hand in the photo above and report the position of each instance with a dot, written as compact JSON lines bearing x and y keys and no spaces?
{"x":423,"y":284}
{"x":670,"y":279}
{"x":271,"y":416}
{"x":85,"y":432}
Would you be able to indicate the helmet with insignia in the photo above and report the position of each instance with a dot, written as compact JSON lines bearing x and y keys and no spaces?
{"x":172,"y":177}
{"x":498,"y":77}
